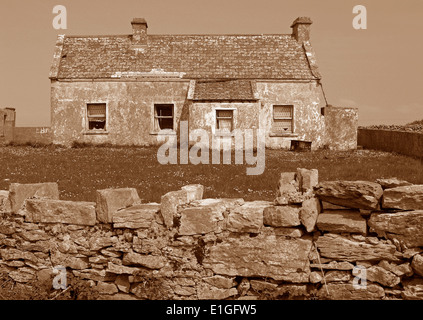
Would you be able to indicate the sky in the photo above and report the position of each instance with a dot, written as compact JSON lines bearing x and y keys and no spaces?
{"x":378,"y":70}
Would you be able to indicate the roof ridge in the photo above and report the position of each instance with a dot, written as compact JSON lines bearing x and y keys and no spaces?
{"x":182,"y":35}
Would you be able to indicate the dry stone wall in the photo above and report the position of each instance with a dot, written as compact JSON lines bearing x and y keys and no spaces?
{"x":314,"y":241}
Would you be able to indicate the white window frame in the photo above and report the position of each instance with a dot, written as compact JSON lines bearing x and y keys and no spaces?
{"x":217,"y":131}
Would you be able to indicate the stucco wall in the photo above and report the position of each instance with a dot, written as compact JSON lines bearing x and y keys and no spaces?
{"x":307,"y":99}
{"x":130,"y":109}
{"x":341,"y":128}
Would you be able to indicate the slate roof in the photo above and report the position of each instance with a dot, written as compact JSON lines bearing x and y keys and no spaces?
{"x":195,"y":56}
{"x":223,"y":90}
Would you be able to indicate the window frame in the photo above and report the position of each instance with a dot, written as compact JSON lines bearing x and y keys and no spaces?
{"x":87,"y":118}
{"x":275,"y":119}
{"x":215,"y":128}
{"x":156,"y":121}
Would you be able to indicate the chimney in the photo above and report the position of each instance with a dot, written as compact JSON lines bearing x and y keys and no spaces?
{"x":139,"y":31}
{"x":301,"y":29}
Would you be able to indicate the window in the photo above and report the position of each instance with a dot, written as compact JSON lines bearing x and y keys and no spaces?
{"x":224,"y":120}
{"x":96,"y":116}
{"x":282,"y":119}
{"x":163,"y":117}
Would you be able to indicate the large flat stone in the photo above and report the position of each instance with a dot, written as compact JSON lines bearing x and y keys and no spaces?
{"x":59,"y":211}
{"x":148,"y":261}
{"x":111,"y":200}
{"x":248,"y":217}
{"x":339,"y":221}
{"x":337,"y":247}
{"x":282,"y":216}
{"x":18,"y":193}
{"x":406,"y":227}
{"x":346,"y":291}
{"x":199,"y":220}
{"x":404,"y":198}
{"x":276,"y":258}
{"x":351,"y":194}
{"x":137,"y":216}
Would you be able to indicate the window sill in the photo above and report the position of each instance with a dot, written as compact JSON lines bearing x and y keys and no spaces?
{"x":283,"y":134}
{"x":163,"y":133}
{"x":93,"y":132}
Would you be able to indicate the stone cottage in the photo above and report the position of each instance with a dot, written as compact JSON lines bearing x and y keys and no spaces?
{"x":7,"y":124}
{"x":128,"y":89}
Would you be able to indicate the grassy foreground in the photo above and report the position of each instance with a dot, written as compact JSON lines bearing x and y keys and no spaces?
{"x":81,"y":171}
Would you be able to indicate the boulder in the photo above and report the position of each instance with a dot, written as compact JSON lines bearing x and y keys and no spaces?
{"x":137,"y":216}
{"x":405,"y":227}
{"x":289,"y":232}
{"x":337,"y":247}
{"x":404,"y":198}
{"x":18,"y":193}
{"x":106,"y":288}
{"x":59,"y":211}
{"x":199,"y":220}
{"x":169,"y":205}
{"x":339,"y":221}
{"x":309,"y":212}
{"x":351,"y":194}
{"x":281,"y":216}
{"x":111,"y":200}
{"x":276,"y":258}
{"x":248,"y":217}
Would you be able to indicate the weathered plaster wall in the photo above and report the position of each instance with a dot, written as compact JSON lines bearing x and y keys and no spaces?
{"x":202,"y":115}
{"x":307,"y":99}
{"x":130,"y":107}
{"x":341,"y":128}
{"x":41,"y":135}
{"x":7,"y":124}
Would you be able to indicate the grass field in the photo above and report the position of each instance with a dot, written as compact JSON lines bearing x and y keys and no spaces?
{"x":81,"y":171}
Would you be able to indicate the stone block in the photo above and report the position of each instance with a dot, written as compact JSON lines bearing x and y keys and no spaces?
{"x":405,"y":227}
{"x":4,"y":201}
{"x":111,"y":200}
{"x":194,"y":192}
{"x":392,"y":183}
{"x":248,"y":217}
{"x":382,"y":276}
{"x":309,"y":212}
{"x":199,"y":220}
{"x":350,"y":194}
{"x":169,"y":205}
{"x":346,"y":291}
{"x":307,"y":179}
{"x":59,"y":211}
{"x":337,"y":247}
{"x":18,"y":193}
{"x":282,"y":216}
{"x":339,"y":221}
{"x":137,"y":216}
{"x":148,"y":261}
{"x":404,"y":198}
{"x":276,"y":258}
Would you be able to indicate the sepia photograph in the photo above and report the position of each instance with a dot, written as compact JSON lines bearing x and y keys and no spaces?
{"x":211,"y":155}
